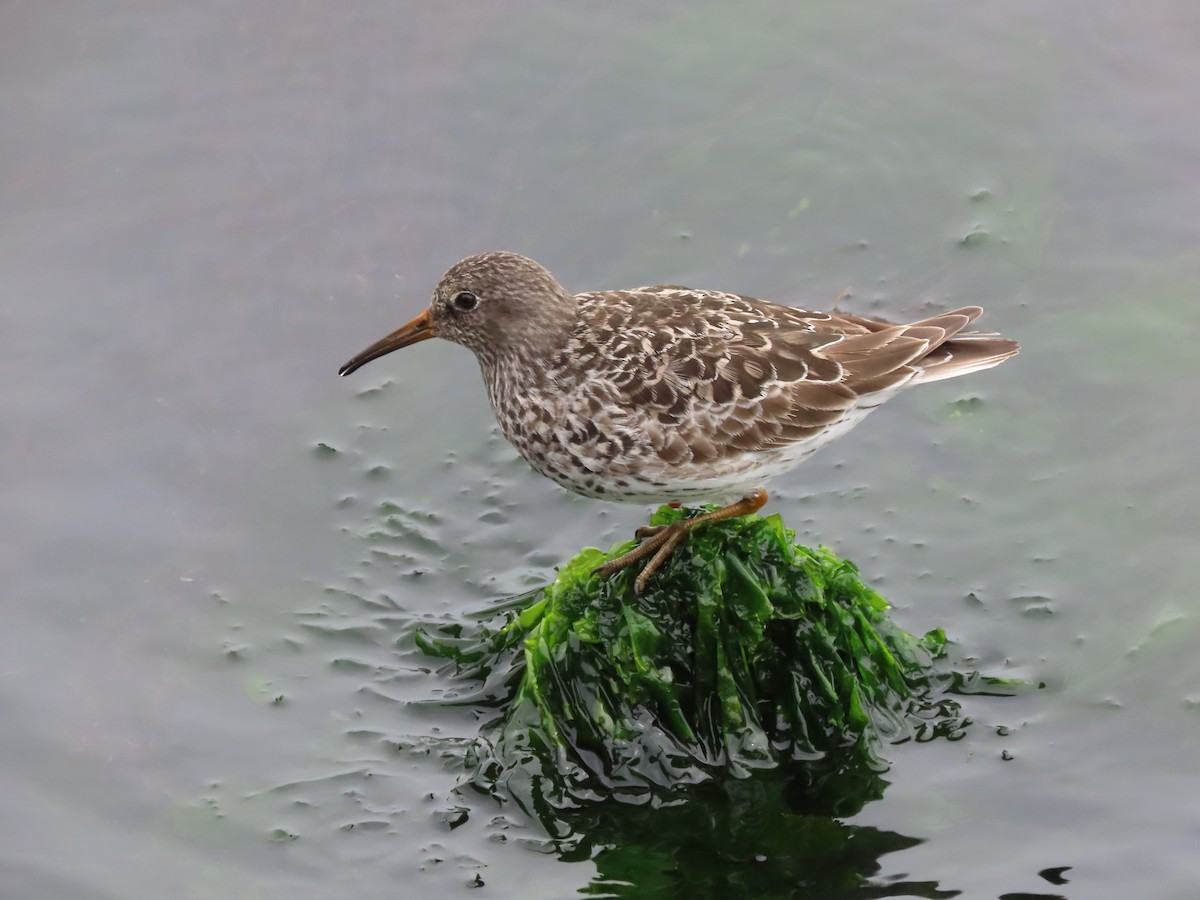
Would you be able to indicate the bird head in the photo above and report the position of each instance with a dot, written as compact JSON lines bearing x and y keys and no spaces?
{"x":492,"y":303}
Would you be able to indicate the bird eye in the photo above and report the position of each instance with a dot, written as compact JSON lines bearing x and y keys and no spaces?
{"x":464,"y":301}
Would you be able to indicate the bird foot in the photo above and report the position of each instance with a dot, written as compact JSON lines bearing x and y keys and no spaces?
{"x":660,"y":541}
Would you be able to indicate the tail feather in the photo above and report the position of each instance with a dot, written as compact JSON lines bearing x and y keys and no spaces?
{"x":964,"y":353}
{"x":886,"y":356}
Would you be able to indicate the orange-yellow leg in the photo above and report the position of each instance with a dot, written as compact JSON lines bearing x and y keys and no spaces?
{"x":661,"y":540}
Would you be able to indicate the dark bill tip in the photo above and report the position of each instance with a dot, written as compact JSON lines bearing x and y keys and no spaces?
{"x":419,"y":329}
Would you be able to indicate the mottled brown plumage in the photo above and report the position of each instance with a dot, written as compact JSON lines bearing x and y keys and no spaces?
{"x":669,"y":394}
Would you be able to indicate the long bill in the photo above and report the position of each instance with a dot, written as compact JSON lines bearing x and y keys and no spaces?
{"x":419,"y":329}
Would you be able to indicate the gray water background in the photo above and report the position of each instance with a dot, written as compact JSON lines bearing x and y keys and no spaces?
{"x":206,"y":208}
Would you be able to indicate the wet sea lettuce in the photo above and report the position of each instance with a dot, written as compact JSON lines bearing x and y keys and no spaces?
{"x":745,"y":652}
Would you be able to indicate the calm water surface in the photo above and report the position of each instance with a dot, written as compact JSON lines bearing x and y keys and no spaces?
{"x":215,"y":550}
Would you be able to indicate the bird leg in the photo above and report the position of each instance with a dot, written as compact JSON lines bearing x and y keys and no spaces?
{"x":661,"y":540}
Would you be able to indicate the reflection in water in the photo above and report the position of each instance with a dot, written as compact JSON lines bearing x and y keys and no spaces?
{"x":737,"y":838}
{"x":767,"y":835}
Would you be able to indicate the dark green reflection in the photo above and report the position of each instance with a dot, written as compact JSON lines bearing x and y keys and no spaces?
{"x":738,"y":838}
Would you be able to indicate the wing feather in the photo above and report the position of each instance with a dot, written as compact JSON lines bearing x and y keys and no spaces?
{"x":723,"y":374}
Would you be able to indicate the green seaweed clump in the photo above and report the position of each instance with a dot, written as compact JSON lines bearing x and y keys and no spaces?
{"x":745,"y":652}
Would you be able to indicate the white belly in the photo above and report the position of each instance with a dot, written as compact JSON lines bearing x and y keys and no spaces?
{"x":727,"y":479}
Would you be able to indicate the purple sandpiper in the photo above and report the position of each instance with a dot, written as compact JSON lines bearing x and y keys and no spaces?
{"x":667,"y":394}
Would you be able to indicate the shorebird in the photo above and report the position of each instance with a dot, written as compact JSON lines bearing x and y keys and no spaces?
{"x":668,"y":394}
